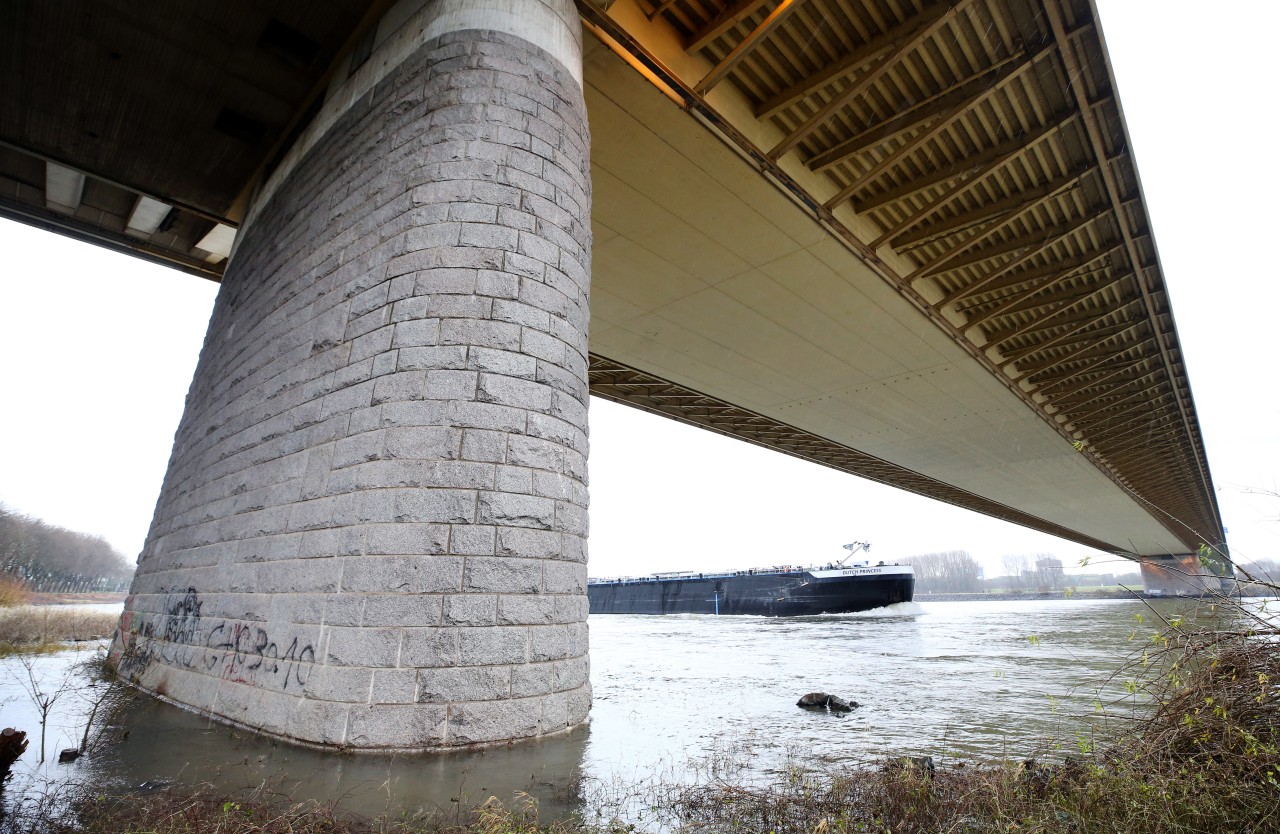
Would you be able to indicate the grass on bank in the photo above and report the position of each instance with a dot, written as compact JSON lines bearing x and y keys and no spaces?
{"x":30,"y":629}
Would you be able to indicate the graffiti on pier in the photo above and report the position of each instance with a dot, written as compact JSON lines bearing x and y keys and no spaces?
{"x":245,"y":648}
{"x":141,"y":647}
{"x":240,"y":651}
{"x":182,"y":619}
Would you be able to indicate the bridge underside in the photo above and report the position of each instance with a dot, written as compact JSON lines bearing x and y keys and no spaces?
{"x":894,"y":238}
{"x":903,"y":239}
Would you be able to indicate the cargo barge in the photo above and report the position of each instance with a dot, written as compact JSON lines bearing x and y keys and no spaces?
{"x":781,"y":591}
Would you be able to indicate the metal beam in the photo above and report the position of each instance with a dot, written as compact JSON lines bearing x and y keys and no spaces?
{"x":721,"y":126}
{"x":1049,"y":270}
{"x":1157,"y":422}
{"x":940,"y":264}
{"x":747,"y":45}
{"x":1089,"y":367}
{"x":1081,"y":337}
{"x":943,"y":105}
{"x":910,"y":146}
{"x":975,"y":306}
{"x":660,"y":8}
{"x":969,"y":171}
{"x":1136,"y":457}
{"x":1042,"y":324}
{"x":1072,"y":418}
{"x":1125,"y":385}
{"x":958,"y":222}
{"x":967,"y":219}
{"x":1066,"y":394}
{"x":872,"y":50}
{"x":1146,"y":407}
{"x":903,"y":47}
{"x":1154,"y":422}
{"x":728,"y":17}
{"x":1032,"y":300}
{"x":1085,"y":346}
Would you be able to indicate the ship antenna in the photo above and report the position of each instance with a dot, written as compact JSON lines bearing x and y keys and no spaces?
{"x":854,"y":547}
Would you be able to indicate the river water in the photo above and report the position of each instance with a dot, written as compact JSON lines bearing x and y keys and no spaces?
{"x":680,"y":698}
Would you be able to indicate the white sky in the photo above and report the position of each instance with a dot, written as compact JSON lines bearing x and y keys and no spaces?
{"x":97,"y":351}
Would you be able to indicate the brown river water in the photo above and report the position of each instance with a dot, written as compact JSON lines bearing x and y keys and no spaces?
{"x":677,"y":699}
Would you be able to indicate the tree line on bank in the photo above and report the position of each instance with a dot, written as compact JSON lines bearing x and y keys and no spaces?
{"x":51,"y":559}
{"x":956,"y":572}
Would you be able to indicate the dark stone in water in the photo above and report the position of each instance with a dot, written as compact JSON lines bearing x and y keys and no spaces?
{"x":155,"y":785}
{"x":69,"y":754}
{"x":821,"y":700}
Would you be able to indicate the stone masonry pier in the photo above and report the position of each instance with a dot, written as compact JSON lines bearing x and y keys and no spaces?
{"x":372,"y":532}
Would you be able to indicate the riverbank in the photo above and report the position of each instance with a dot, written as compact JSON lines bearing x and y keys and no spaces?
{"x":1028,"y":596}
{"x":1123,"y":790}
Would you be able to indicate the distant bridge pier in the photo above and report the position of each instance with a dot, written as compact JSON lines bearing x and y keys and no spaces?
{"x":372,"y":532}
{"x":1189,"y":574}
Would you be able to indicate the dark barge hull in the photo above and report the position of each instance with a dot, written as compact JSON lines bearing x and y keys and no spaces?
{"x":771,"y":594}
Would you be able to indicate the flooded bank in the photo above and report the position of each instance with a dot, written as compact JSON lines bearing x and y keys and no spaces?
{"x":676,"y":698}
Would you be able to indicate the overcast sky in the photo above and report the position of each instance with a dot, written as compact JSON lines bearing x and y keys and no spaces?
{"x":97,"y":351}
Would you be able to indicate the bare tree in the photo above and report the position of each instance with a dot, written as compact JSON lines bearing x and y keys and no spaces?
{"x":1016,"y":565}
{"x":1049,"y":572}
{"x":954,"y":571}
{"x":53,"y":559}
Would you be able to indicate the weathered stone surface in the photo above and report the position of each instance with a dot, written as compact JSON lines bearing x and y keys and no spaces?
{"x":372,"y":529}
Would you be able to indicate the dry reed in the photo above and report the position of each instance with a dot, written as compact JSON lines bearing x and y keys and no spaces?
{"x":44,"y":628}
{"x":13,"y":591}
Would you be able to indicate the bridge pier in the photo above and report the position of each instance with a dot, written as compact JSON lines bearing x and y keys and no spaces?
{"x":372,"y":532}
{"x":1186,"y":575}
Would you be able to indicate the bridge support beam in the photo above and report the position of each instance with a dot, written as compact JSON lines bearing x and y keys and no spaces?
{"x":372,"y":532}
{"x":1189,"y":574}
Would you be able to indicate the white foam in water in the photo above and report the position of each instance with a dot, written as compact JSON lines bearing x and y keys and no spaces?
{"x":898,"y":609}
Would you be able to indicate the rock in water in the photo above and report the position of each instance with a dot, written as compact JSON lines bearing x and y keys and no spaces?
{"x":69,"y":754}
{"x":821,"y":700}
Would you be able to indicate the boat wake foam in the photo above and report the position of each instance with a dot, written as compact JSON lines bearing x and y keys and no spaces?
{"x":898,"y":609}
